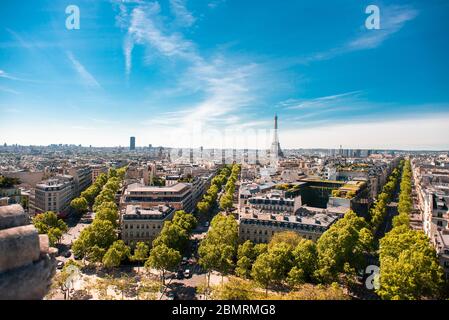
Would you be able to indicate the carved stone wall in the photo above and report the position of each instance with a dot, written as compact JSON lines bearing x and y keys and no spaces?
{"x":27,"y":263}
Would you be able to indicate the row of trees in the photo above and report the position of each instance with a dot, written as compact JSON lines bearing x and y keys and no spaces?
{"x":209,"y":200}
{"x":409,"y":266}
{"x":288,"y":259}
{"x":292,"y":260}
{"x":405,"y":204}
{"x":227,"y":198}
{"x":379,"y":210}
{"x":98,"y":242}
{"x":87,"y":197}
{"x":218,"y":249}
{"x":165,"y":254}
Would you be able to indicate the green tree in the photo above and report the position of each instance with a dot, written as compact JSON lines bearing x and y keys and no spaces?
{"x":116,"y":253}
{"x":94,"y":240}
{"x":277,"y":262}
{"x":305,"y":259}
{"x":262,"y":271}
{"x":111,"y":258}
{"x":173,"y":236}
{"x":401,"y":219}
{"x":185,"y":220}
{"x":219,"y":248}
{"x":203,"y":207}
{"x":343,"y":242}
{"x":409,"y":267}
{"x":107,"y":213}
{"x":164,"y":259}
{"x":140,"y":252}
{"x":226,"y":201}
{"x":80,"y":205}
{"x":245,"y":258}
{"x":49,"y":223}
{"x":288,"y":237}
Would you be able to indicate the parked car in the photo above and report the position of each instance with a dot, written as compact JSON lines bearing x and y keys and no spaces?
{"x":187,"y":273}
{"x":184,"y":261}
{"x":172,"y":295}
{"x":206,"y":224}
{"x":68,"y":254}
{"x":60,"y":264}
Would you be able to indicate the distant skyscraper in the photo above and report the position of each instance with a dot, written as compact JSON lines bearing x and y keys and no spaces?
{"x":275,"y":146}
{"x":223,"y":157}
{"x":191,"y":155}
{"x":132,"y":143}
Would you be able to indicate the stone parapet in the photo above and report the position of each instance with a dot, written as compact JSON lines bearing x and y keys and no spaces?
{"x":27,"y":262}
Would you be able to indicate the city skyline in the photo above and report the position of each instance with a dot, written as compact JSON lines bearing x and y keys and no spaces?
{"x":213,"y":73}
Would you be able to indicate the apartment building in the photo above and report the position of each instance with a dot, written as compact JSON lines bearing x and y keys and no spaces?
{"x":431,"y":180}
{"x":178,"y":196}
{"x":53,"y":195}
{"x":275,"y":202}
{"x":138,"y":224}
{"x":82,"y":177}
{"x":308,"y":222}
{"x":96,"y":171}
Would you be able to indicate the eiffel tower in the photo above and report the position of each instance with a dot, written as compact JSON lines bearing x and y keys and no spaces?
{"x":275,"y":149}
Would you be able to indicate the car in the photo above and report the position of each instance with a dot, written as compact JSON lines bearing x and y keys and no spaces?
{"x":171,"y":295}
{"x":67,"y":254}
{"x":206,"y":224}
{"x":184,"y":261}
{"x":180,"y":275}
{"x":60,"y":264}
{"x":187,"y":273}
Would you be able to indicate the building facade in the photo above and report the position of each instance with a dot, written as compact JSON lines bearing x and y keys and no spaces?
{"x":178,"y":196}
{"x":139,"y":224}
{"x":53,"y":195}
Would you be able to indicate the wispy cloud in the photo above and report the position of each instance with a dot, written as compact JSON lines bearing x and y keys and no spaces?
{"x":320,"y":102}
{"x":8,"y":90}
{"x":9,"y":76}
{"x":215,"y":3}
{"x":5,"y":75}
{"x":393,"y":19}
{"x":87,"y":78}
{"x":183,"y":16}
{"x":224,"y":84}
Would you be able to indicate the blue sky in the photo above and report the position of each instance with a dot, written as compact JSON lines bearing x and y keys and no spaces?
{"x":214,"y":72}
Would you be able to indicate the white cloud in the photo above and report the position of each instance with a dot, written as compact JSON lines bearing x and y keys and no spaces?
{"x":320,"y":102}
{"x":87,"y":78}
{"x":183,"y":16}
{"x":225,"y":85}
{"x":393,"y":19}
